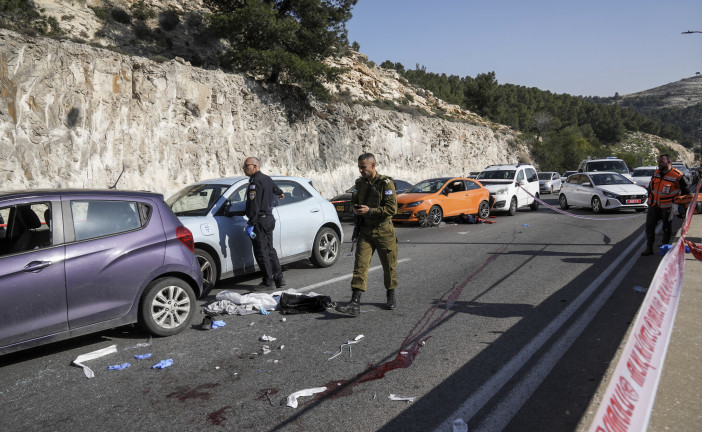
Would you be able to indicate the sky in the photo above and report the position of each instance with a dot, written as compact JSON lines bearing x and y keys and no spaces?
{"x":583,"y":48}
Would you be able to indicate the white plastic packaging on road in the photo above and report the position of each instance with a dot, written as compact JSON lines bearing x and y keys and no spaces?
{"x":92,"y":356}
{"x":401,"y":398}
{"x":266,"y":338}
{"x":292,"y":399}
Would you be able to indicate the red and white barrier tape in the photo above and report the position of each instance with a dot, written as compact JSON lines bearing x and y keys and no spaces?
{"x":628,"y":401}
{"x":556,"y":209}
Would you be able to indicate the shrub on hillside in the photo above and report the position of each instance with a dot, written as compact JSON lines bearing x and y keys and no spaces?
{"x":121,"y":16}
{"x":169,"y":20}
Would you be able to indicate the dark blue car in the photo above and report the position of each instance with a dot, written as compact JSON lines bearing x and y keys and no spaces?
{"x":79,"y":261}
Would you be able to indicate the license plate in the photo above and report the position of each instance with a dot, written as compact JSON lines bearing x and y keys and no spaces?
{"x":633,"y":201}
{"x":339,"y":208}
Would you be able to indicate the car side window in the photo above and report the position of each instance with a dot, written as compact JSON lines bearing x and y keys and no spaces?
{"x":471,"y":185}
{"x":293,"y":191}
{"x":97,"y":218}
{"x":237,"y":200}
{"x":520,"y":176}
{"x":457,"y":186}
{"x":531,"y":175}
{"x":24,"y":227}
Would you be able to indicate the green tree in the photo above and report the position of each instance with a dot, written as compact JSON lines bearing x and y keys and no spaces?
{"x":285,"y":41}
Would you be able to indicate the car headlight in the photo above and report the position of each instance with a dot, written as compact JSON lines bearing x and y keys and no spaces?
{"x":413,"y":204}
{"x":502,"y":190}
{"x":610,"y":195}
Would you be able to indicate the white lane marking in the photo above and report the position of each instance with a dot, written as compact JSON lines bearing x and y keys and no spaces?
{"x":478,"y":399}
{"x":340,"y":278}
{"x":502,"y":414}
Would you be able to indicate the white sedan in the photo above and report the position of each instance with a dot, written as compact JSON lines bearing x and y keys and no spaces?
{"x":642,"y":175}
{"x":602,"y":191}
{"x":549,"y":181}
{"x":307,"y":226}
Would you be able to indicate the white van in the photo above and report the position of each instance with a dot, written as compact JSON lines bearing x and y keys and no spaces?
{"x":509,"y":185}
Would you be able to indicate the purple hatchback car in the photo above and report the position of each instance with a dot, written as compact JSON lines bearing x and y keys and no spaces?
{"x":79,"y":261}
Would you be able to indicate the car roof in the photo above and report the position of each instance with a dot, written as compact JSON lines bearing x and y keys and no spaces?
{"x":38,"y":193}
{"x":231,"y":180}
{"x":503,"y":166}
{"x":602,"y":159}
{"x":547,"y":172}
{"x":646,"y":167}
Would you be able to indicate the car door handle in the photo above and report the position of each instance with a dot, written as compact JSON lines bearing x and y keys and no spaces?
{"x":36,"y":266}
{"x":314,"y":211}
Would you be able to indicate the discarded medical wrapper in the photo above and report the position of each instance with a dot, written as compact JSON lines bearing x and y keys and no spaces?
{"x":119,"y":366}
{"x":266,"y":338}
{"x":459,"y":425}
{"x":401,"y":398}
{"x":292,"y":399}
{"x":92,"y":356}
{"x":163,"y":364}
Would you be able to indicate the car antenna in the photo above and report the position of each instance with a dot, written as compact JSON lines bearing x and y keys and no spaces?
{"x":119,"y":177}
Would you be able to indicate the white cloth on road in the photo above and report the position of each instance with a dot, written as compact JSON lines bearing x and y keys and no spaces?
{"x":292,"y":399}
{"x":91,"y":356}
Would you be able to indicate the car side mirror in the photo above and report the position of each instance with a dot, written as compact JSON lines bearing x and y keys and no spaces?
{"x":228,"y":212}
{"x":587,"y":184}
{"x":444,"y":192}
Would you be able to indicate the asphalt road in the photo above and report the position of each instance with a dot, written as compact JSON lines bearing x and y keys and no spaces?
{"x":508,"y":326}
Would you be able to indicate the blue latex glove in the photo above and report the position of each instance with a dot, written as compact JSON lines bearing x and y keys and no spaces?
{"x":119,"y":366}
{"x":264,"y":311}
{"x":665,"y":248}
{"x":250,"y":231}
{"x":162,"y":364}
{"x":216,"y":324}
{"x":142,"y":356}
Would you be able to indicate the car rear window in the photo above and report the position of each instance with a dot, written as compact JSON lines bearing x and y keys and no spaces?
{"x":98,"y":218}
{"x":608,"y":165}
{"x":497,"y":175}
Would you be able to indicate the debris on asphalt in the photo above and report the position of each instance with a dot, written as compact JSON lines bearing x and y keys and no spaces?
{"x":292,"y":399}
{"x":142,"y":356}
{"x":266,"y":349}
{"x":92,"y":356}
{"x":139,"y":345}
{"x":163,"y":364}
{"x":341,"y":347}
{"x":639,"y":289}
{"x":218,"y":324}
{"x":266,"y":338}
{"x":459,"y":425}
{"x":401,"y":398}
{"x":664,"y":249}
{"x":119,"y":366}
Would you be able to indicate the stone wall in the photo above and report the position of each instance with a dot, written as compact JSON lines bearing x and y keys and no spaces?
{"x":76,"y":116}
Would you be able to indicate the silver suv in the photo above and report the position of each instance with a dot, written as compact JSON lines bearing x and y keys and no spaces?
{"x":509,"y":185}
{"x":608,"y":164}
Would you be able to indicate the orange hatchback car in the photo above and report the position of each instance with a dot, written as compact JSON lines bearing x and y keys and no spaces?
{"x":437,"y":198}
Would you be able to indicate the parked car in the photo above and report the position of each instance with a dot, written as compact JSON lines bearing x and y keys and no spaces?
{"x":568,"y":173}
{"x":549,"y":181}
{"x":609,"y":164}
{"x":680,"y":166}
{"x":74,"y":262}
{"x":342,"y":202}
{"x":442,"y":197}
{"x":307,"y":226}
{"x":509,"y":184}
{"x":642,"y":175}
{"x":602,"y":191}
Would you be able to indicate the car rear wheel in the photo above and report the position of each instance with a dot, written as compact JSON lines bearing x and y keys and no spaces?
{"x":596,"y":205}
{"x":563,"y":201}
{"x":435,"y":215}
{"x":325,"y":249}
{"x":512,"y":207}
{"x":167,"y":306}
{"x":535,"y":204}
{"x":208,"y":268}
{"x":484,"y":210}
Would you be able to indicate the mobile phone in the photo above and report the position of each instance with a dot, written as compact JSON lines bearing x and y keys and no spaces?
{"x":357,"y":206}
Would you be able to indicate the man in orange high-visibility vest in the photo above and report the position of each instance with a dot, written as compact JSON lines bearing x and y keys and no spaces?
{"x":666,"y":184}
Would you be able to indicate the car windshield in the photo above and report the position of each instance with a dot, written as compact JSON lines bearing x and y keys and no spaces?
{"x":614,"y":165}
{"x":545,"y":176}
{"x":428,"y":186}
{"x":196,"y":200}
{"x":609,"y":179}
{"x":497,"y":175}
{"x":643,"y":172}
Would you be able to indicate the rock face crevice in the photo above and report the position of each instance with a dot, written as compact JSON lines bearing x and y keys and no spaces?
{"x":76,"y":116}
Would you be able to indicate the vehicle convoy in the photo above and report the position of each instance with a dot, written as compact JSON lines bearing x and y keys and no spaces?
{"x":609,"y":164}
{"x":342,"y":202}
{"x":549,"y":181}
{"x":602,"y":191}
{"x":307,"y":225}
{"x":74,"y":262}
{"x":512,"y":186}
{"x":437,"y":198}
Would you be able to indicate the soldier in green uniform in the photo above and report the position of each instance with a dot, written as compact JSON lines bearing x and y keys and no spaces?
{"x":374,"y":202}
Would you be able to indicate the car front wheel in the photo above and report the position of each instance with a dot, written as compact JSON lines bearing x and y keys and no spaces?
{"x":563,"y":201}
{"x":512,"y":207}
{"x":325,"y":249}
{"x":167,"y":306}
{"x":484,"y":210}
{"x":208,"y":268}
{"x":434,"y":216}
{"x":596,"y":204}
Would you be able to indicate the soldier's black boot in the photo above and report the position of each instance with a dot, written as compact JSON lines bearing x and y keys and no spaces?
{"x":391,"y":303}
{"x":353,"y":307}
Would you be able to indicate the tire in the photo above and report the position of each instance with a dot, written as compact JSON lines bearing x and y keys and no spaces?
{"x":551,"y":191}
{"x":325,"y":249}
{"x":512,"y":207}
{"x":596,"y":204}
{"x":484,"y":210}
{"x":534,"y":204}
{"x":434,"y":216}
{"x":563,"y":201}
{"x":208,"y":268}
{"x":167,"y":306}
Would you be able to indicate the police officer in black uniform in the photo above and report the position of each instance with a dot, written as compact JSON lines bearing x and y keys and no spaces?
{"x":260,"y":196}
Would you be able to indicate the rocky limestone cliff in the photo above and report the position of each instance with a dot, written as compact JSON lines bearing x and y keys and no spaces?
{"x":76,"y":116}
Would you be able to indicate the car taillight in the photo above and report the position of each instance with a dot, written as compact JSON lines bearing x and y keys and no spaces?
{"x":186,"y":237}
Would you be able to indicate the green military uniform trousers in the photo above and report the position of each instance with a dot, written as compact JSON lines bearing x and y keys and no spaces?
{"x":381,"y":238}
